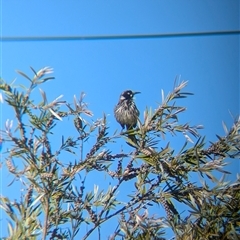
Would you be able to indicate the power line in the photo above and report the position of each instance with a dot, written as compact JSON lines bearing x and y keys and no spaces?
{"x":116,"y":37}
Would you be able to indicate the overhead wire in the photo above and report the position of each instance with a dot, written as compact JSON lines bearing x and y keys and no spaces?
{"x":116,"y":37}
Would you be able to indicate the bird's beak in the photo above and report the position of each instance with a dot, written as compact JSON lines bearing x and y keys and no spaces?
{"x":136,"y":93}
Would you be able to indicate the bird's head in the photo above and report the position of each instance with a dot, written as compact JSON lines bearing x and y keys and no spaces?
{"x":128,"y":94}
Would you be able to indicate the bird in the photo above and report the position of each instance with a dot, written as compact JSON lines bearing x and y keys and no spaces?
{"x":126,"y":111}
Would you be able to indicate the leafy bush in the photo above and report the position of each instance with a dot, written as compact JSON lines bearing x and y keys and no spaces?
{"x":56,"y":203}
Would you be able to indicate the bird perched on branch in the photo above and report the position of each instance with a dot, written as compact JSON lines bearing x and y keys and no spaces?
{"x":126,"y":112}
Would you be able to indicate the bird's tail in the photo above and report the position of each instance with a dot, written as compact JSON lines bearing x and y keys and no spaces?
{"x":131,"y":138}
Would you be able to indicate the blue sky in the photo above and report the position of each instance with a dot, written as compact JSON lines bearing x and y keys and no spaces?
{"x":104,"y":68}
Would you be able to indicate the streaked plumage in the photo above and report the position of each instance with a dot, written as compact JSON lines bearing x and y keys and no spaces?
{"x":126,"y":112}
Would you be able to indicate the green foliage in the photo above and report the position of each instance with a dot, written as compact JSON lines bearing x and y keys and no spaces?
{"x":53,"y":205}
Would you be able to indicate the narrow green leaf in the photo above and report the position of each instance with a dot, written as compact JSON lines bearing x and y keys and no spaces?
{"x":24,"y":75}
{"x":37,"y":199}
